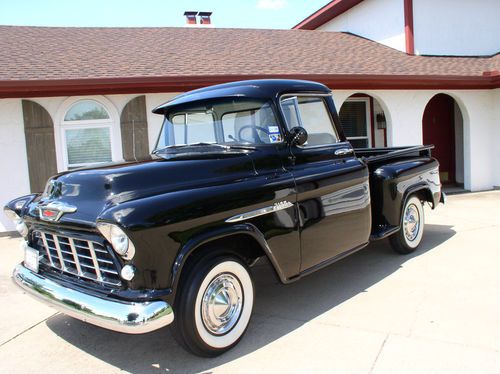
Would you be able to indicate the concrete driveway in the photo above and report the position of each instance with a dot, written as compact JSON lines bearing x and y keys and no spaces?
{"x":437,"y":310}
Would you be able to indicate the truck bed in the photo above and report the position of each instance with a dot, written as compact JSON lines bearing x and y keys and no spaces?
{"x":377,"y":155}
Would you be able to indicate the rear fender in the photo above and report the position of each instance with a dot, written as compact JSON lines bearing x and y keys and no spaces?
{"x":393,"y":183}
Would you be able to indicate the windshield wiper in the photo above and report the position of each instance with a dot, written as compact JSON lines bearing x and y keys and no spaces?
{"x":225,"y":147}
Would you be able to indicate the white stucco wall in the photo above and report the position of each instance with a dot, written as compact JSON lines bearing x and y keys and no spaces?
{"x":13,"y":159}
{"x":496,"y":141}
{"x":378,"y":20}
{"x":404,"y":110}
{"x":451,"y":27}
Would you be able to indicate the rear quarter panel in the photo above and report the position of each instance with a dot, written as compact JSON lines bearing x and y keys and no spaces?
{"x":392,"y":183}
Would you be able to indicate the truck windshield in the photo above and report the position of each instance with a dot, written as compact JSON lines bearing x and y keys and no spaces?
{"x":226,"y":121}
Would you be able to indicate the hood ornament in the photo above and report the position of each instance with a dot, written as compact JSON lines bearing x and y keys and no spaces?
{"x":54,"y":210}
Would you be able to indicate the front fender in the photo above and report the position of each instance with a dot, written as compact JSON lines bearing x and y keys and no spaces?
{"x":218,"y":233}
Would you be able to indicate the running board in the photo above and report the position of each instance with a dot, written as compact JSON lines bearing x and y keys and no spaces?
{"x":384,"y":232}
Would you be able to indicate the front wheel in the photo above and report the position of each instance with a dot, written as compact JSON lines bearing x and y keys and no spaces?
{"x":214,"y":306}
{"x":408,"y":238}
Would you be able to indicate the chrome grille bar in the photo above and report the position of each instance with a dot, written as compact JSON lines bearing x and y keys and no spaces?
{"x":75,"y":255}
{"x":59,"y":254}
{"x":94,"y":260}
{"x":44,"y":239}
{"x":79,"y":257}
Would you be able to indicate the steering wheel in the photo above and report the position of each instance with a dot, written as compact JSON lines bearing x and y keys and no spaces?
{"x":255,"y":129}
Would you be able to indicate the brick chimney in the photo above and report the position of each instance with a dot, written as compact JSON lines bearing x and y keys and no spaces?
{"x":205,"y":18}
{"x":190,"y":18}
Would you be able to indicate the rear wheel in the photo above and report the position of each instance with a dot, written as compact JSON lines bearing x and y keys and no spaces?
{"x":408,"y":238}
{"x":214,"y":305}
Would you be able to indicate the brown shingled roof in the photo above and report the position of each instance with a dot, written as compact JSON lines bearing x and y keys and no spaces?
{"x":161,"y":58}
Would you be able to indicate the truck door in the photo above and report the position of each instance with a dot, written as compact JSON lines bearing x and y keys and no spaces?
{"x":333,"y":194}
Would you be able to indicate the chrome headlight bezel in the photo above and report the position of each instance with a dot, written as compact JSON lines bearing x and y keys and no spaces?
{"x":118,"y":239}
{"x":21,"y":226}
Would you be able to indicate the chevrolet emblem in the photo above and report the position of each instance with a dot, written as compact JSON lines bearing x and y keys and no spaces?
{"x":54,"y":210}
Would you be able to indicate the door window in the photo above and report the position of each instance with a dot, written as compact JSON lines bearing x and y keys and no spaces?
{"x":311,"y":113}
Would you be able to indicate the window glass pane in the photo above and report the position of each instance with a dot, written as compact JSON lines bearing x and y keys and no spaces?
{"x":86,"y":110}
{"x":310,"y":113}
{"x":353,"y":118}
{"x":200,"y":128}
{"x":359,"y":143}
{"x":179,"y":127}
{"x":86,"y":146}
{"x":251,"y":126}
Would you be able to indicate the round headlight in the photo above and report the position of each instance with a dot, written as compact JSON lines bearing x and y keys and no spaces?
{"x":118,"y":239}
{"x":18,"y":221}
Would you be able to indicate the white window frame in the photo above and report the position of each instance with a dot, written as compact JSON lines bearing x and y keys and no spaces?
{"x":366,"y":100}
{"x":113,"y":123}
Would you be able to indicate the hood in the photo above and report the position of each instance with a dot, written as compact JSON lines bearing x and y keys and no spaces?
{"x":93,"y":190}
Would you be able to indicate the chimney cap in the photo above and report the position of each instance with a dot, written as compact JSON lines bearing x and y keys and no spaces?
{"x":204,"y":14}
{"x":190,"y":13}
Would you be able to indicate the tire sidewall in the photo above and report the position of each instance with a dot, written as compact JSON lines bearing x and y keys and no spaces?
{"x":238,"y":270}
{"x":185,"y":327}
{"x":413,"y":244}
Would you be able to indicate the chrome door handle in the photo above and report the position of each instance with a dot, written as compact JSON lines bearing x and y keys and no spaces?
{"x":343,"y":151}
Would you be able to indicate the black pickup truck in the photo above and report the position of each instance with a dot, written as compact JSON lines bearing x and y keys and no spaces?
{"x":240,"y":171}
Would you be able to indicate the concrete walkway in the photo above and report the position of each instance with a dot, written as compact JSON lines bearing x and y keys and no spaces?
{"x":435,"y":311}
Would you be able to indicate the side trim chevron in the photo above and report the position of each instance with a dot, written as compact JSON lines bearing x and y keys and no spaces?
{"x":260,"y":212}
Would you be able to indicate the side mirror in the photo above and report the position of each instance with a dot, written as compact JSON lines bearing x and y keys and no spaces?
{"x":298,"y":136}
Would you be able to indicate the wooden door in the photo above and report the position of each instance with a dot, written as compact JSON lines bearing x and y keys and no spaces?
{"x":439,"y":129}
{"x":40,"y":144}
{"x":134,"y":129}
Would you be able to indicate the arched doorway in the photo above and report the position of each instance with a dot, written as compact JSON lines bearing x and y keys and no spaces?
{"x":442,"y":125}
{"x":363,"y":121}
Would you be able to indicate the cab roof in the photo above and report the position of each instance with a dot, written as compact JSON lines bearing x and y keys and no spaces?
{"x":256,"y":89}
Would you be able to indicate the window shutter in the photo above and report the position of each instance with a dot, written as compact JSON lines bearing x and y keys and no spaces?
{"x":40,"y":144}
{"x":134,"y":129}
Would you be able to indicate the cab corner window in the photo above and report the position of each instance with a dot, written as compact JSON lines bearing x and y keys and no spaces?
{"x":311,"y":113}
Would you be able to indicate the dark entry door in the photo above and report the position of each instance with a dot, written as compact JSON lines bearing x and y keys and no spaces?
{"x":332,"y":185}
{"x":439,"y":129}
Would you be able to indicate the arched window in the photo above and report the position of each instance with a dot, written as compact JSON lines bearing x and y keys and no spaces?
{"x":86,"y":134}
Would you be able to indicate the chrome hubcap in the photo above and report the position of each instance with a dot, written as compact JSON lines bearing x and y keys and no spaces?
{"x":411,"y":222}
{"x":222,"y":304}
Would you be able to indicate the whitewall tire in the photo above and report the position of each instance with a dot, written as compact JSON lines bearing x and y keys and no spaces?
{"x":214,"y":305}
{"x":408,"y":238}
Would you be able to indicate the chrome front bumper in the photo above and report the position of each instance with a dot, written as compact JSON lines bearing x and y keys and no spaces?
{"x":127,"y":317}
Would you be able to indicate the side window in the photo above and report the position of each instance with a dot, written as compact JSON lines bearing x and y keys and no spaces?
{"x":312,"y":114}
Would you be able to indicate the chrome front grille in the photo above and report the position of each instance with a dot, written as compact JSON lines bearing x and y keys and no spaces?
{"x":83,"y":258}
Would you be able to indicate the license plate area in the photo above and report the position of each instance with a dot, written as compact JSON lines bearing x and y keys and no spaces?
{"x":31,"y":259}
